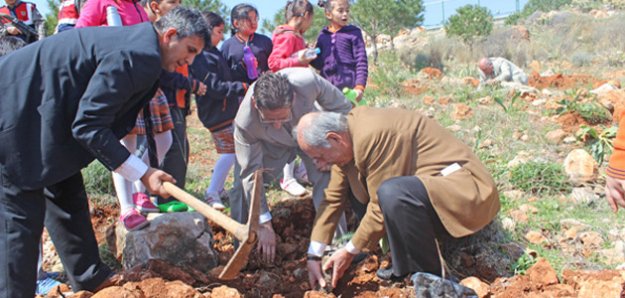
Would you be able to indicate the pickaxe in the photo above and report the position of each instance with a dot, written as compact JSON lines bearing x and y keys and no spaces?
{"x":246,"y":234}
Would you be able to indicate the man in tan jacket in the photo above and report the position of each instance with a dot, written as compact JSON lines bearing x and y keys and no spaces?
{"x":418,"y":181}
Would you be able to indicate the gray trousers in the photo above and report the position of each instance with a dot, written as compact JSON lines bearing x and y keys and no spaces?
{"x":64,"y":209}
{"x":273,"y":164}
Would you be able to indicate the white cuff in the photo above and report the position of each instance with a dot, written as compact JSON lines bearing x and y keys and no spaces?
{"x":265,"y":217}
{"x":316,"y":248}
{"x":350,"y":248}
{"x":132,"y":169}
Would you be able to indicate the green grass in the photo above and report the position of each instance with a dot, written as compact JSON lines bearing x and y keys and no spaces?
{"x":540,"y":178}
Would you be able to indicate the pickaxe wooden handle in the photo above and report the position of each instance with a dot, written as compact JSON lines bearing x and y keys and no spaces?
{"x":246,"y":234}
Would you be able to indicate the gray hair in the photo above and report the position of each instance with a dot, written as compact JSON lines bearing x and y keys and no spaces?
{"x":320,"y":125}
{"x":187,"y":22}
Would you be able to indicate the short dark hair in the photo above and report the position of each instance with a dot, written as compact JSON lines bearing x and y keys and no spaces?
{"x":187,"y":22}
{"x":327,"y":5}
{"x":9,"y":44}
{"x":273,"y":91}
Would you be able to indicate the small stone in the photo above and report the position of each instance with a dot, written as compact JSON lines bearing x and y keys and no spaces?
{"x":524,"y":138}
{"x":583,"y":195}
{"x":591,"y":240}
{"x":521,"y":158}
{"x":528,"y":209}
{"x":519,"y":216}
{"x":428,"y":100}
{"x":535,"y":237}
{"x":556,"y":136}
{"x":454,"y":127}
{"x":580,"y":166}
{"x":615,"y":255}
{"x":517,"y":134}
{"x":513,"y":194}
{"x":444,"y":100}
{"x":225,"y":292}
{"x":539,"y":102}
{"x":569,"y":140}
{"x":486,"y":144}
{"x":481,"y":288}
{"x":485,"y":100}
{"x":461,"y":112}
{"x":508,"y":224}
{"x":541,"y":273}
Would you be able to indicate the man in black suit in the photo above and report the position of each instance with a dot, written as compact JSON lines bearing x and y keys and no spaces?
{"x":60,"y":109}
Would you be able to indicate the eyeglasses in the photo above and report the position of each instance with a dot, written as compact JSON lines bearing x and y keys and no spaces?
{"x":271,"y":120}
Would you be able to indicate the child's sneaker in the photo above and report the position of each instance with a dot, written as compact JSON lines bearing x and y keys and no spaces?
{"x":143,"y":203}
{"x":213,"y":200}
{"x":133,"y":220}
{"x":44,"y":286}
{"x":173,"y":206}
{"x":292,"y":187}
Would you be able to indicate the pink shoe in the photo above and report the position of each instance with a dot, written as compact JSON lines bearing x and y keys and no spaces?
{"x":133,"y":220}
{"x":143,"y":203}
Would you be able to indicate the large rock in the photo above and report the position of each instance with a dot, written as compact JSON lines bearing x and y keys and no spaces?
{"x":182,"y":239}
{"x":605,"y":283}
{"x":481,"y":288}
{"x":580,"y":166}
{"x":429,"y":285}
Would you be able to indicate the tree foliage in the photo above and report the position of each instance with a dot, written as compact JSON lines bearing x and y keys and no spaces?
{"x":469,"y":22}
{"x":377,"y":17}
{"x":51,"y":19}
{"x":319,"y":21}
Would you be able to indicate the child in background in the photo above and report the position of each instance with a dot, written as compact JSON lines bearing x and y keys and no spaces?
{"x":69,"y":11}
{"x":343,"y":59}
{"x":93,"y":13}
{"x":218,"y":107}
{"x":244,"y":22}
{"x":288,"y":38}
{"x":287,"y":41}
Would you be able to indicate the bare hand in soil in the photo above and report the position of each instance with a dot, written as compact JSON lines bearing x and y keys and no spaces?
{"x":153,"y":180}
{"x":315,"y":275}
{"x":267,"y":242}
{"x":339,"y":262}
{"x":614,"y":189}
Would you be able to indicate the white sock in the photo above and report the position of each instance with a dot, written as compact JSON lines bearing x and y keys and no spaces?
{"x":163,"y":141}
{"x":287,"y":172}
{"x":123,"y":187}
{"x":220,"y":172}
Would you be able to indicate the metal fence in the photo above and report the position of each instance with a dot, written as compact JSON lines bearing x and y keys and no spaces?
{"x":446,"y":8}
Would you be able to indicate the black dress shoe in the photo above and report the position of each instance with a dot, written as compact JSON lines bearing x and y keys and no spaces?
{"x":387,"y":274}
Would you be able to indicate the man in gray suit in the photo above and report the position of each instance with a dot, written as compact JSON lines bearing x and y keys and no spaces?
{"x":262,"y":133}
{"x":60,"y":109}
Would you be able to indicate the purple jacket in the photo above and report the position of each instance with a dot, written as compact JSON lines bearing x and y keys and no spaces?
{"x":343,"y":59}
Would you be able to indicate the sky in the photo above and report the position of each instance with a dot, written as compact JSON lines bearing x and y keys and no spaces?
{"x":435,"y":10}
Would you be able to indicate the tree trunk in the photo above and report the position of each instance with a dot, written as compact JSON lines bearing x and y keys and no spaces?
{"x":375,"y":51}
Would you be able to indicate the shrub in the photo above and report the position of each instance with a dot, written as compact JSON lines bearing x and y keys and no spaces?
{"x":582,"y":58}
{"x":539,"y":178}
{"x":98,"y":179}
{"x":469,"y":22}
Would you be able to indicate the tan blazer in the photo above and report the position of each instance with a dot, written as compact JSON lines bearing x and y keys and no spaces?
{"x":394,"y":142}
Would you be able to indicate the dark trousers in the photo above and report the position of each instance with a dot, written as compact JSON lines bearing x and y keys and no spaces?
{"x":411,"y":224}
{"x":64,"y":209}
{"x":177,"y":158}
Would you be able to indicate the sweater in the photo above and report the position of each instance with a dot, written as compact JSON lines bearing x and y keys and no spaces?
{"x":286,"y":42}
{"x":232,"y":50}
{"x":343,"y":58}
{"x":93,"y":13}
{"x":220,"y":104}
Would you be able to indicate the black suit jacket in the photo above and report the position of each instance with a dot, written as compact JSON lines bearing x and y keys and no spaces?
{"x":69,"y":98}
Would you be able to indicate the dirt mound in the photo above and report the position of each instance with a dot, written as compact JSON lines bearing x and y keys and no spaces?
{"x":571,"y":121}
{"x":561,"y":81}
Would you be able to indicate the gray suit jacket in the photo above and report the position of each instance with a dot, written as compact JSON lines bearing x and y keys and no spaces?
{"x":256,"y":141}
{"x":69,"y":98}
